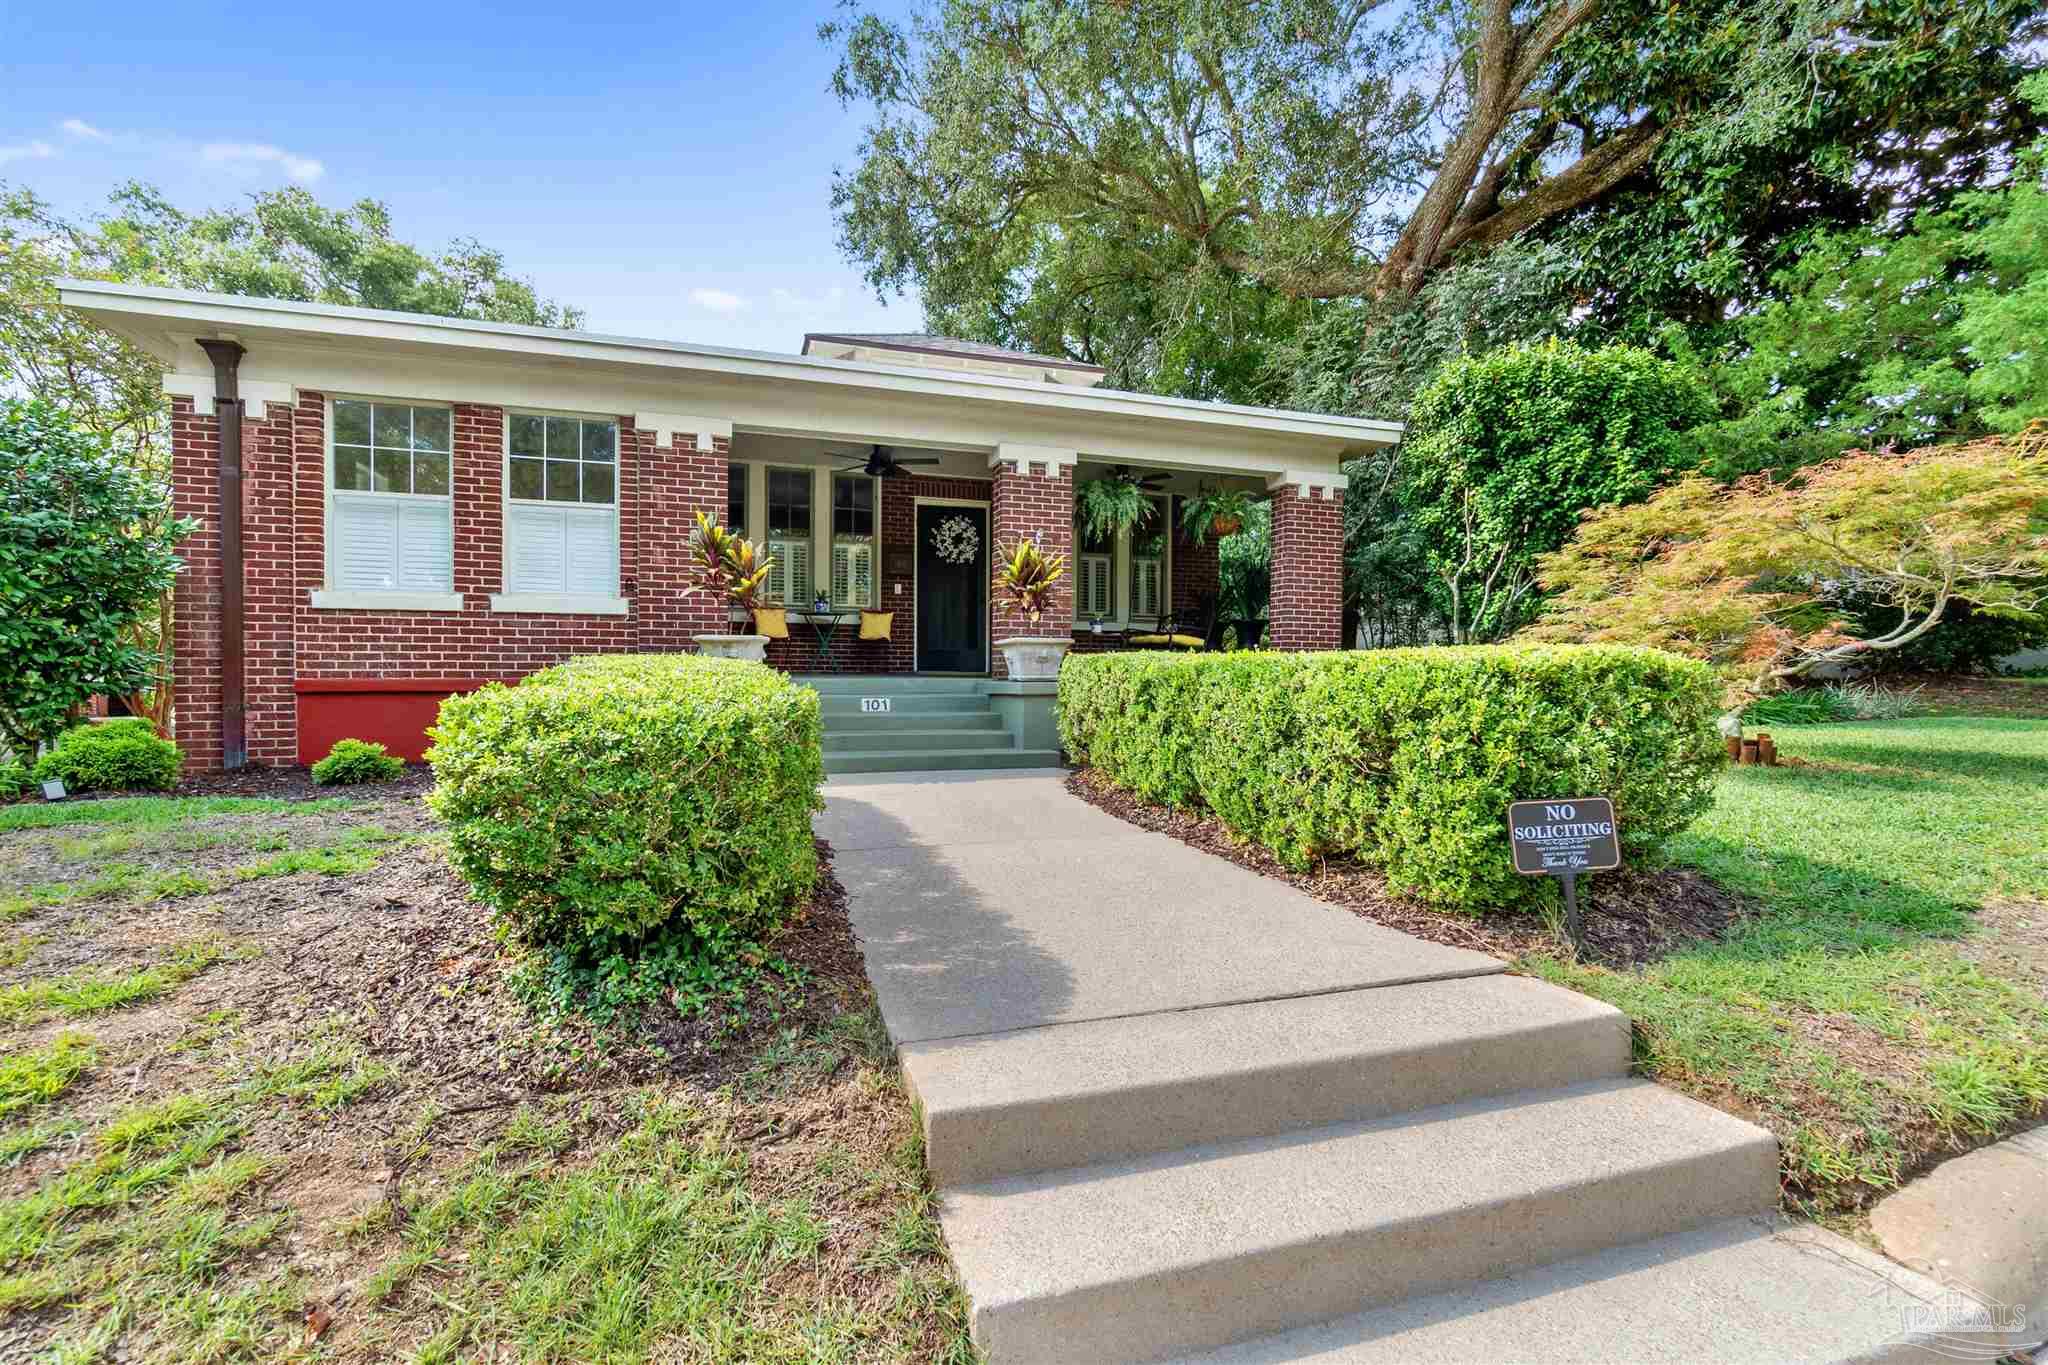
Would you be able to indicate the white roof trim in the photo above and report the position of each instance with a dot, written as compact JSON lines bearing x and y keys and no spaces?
{"x":213,"y":312}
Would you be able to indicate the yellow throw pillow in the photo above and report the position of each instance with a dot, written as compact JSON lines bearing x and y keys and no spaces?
{"x":772,"y":622}
{"x":1189,"y":641}
{"x":876,"y":625}
{"x":1148,"y":639}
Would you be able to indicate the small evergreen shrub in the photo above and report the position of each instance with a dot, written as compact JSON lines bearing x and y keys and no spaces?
{"x":14,"y":779}
{"x":357,"y":760}
{"x":125,"y":754}
{"x":643,"y":821}
{"x":1406,"y":758}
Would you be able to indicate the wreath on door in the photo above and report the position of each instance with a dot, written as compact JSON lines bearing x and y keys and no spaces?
{"x":957,"y":540}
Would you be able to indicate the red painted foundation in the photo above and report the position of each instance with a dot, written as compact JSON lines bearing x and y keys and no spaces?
{"x":394,"y":712}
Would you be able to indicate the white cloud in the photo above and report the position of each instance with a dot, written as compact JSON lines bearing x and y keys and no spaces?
{"x":301,"y":168}
{"x":78,"y":127}
{"x":26,"y":151}
{"x":718,"y":301}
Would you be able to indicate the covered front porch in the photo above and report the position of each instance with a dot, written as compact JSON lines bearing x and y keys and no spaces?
{"x":903,"y":539}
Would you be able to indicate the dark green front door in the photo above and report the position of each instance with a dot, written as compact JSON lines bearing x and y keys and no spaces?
{"x":952,"y":589}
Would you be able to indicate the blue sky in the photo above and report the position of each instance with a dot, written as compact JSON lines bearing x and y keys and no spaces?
{"x":666,"y":168}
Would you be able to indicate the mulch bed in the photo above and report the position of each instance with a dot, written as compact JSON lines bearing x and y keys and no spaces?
{"x":1974,"y":695}
{"x":1631,"y":916}
{"x":297,"y":784}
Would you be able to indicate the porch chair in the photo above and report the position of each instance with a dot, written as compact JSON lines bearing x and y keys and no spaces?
{"x":1195,"y":628}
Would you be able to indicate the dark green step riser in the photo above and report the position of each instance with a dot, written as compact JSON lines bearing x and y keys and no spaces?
{"x":850,"y":706}
{"x":895,"y":741}
{"x":901,"y":686}
{"x":979,"y":722}
{"x":953,"y":760}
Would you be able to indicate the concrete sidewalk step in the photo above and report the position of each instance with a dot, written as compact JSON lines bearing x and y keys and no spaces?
{"x":1734,"y":1292}
{"x":1076,"y":1094}
{"x":900,"y":741}
{"x":1195,"y":1249}
{"x":939,"y":760}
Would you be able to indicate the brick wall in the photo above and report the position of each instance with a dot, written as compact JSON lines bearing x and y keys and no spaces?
{"x":1196,"y":568}
{"x":1032,"y":501}
{"x":1308,"y":568}
{"x":284,"y":562}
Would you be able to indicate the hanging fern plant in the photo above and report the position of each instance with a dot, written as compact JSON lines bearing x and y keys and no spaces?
{"x":1111,"y":506}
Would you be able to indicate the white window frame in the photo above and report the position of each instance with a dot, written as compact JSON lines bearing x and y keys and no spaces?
{"x":804,"y":597}
{"x":328,"y":597}
{"x":558,"y":603}
{"x":1120,"y":556}
{"x":873,"y":541}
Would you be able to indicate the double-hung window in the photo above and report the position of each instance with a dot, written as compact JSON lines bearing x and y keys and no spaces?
{"x":1094,"y":572}
{"x":1148,"y":563}
{"x":561,"y":508}
{"x":389,"y":515}
{"x":789,"y":536}
{"x":853,"y":541}
{"x":736,"y":499}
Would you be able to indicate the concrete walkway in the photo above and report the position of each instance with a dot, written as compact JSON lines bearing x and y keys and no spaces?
{"x":1174,"y":1108}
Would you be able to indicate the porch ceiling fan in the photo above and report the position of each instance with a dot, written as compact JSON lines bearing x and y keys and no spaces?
{"x":880,"y":462}
{"x":1151,"y":483}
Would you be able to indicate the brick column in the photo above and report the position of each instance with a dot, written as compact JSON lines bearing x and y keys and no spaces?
{"x":1033,"y":497}
{"x":1307,"y":610}
{"x":681,"y":464}
{"x":195,"y":652}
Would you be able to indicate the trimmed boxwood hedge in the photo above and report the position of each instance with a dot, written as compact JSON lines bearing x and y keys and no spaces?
{"x":1406,"y":758}
{"x":612,"y":803}
{"x":123,"y":754}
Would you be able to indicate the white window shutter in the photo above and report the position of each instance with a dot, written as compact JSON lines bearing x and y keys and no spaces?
{"x":426,"y":547}
{"x":1145,"y":588}
{"x":791,"y":581}
{"x":591,"y":564}
{"x":853,"y":574}
{"x":365,"y":545}
{"x":537,"y":552}
{"x":1091,"y":588}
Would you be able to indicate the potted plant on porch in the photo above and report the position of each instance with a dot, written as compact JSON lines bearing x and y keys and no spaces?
{"x":1024,"y":580}
{"x":730,"y":568}
{"x":1222,"y":511}
{"x":1113,"y":505}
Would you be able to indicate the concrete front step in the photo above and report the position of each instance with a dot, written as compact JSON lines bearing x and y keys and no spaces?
{"x":907,"y":740}
{"x":910,"y":718}
{"x":939,"y":760}
{"x":888,"y":684}
{"x":1074,"y":1094}
{"x":848,"y":704}
{"x":1734,"y":1292}
{"x":1190,"y":1250}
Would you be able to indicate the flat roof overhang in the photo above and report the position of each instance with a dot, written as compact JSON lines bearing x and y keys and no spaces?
{"x":345,"y":349}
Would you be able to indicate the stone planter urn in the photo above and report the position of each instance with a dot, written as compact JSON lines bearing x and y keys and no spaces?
{"x":1030,"y":657}
{"x":753,"y":648}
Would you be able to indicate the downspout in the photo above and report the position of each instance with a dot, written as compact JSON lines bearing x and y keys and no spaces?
{"x":227,"y":412}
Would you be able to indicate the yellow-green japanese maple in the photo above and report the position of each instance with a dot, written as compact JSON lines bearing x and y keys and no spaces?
{"x":1742,"y":576}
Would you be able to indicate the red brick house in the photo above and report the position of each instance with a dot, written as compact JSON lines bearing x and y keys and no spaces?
{"x":417,"y":505}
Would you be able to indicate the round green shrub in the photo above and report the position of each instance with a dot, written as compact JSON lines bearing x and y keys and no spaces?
{"x":357,"y":760}
{"x":634,"y":805}
{"x":125,"y":754}
{"x":1407,"y":758}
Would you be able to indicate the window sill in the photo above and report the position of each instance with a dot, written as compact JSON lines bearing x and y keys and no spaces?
{"x":332,"y":600}
{"x":559,"y":604}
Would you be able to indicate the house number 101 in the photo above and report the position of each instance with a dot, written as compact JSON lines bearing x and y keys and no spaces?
{"x":874,"y":704}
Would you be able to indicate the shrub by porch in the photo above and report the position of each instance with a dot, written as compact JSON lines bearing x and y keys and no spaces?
{"x":614,"y":805}
{"x":1407,"y":758}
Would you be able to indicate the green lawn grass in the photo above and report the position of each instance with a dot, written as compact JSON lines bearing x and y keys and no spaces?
{"x":1845,"y":1013}
{"x":156,"y":810}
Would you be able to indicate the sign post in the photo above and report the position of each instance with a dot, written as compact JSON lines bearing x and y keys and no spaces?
{"x":1562,"y":839}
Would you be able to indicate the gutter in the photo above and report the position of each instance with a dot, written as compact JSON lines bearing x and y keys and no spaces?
{"x":227,"y":414}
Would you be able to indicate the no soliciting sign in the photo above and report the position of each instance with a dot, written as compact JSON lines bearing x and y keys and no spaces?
{"x":1573,"y":835}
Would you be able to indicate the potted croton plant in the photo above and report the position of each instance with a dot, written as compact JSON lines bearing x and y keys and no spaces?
{"x":730,"y":568}
{"x":1024,"y":580}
